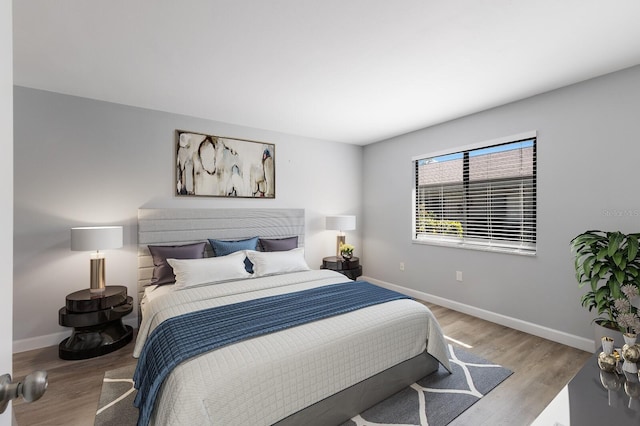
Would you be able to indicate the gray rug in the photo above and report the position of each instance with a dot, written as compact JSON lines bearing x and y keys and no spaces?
{"x":435,"y":400}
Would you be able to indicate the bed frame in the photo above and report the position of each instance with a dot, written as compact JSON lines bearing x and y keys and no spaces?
{"x":181,"y":226}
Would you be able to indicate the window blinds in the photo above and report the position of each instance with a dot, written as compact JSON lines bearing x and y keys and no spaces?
{"x":481,"y":197}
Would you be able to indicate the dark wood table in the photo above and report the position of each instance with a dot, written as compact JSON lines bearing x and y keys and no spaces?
{"x":97,"y":323}
{"x":351,"y":268}
{"x":594,"y":397}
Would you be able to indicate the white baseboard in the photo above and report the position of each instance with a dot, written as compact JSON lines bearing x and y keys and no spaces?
{"x":527,"y":327}
{"x":54,"y":339}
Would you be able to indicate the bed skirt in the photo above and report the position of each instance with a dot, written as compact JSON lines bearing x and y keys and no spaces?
{"x":345,"y":404}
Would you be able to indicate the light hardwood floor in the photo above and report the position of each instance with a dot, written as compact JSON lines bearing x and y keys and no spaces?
{"x":541,"y":368}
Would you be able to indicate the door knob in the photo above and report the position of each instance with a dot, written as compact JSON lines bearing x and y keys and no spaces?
{"x":31,"y":388}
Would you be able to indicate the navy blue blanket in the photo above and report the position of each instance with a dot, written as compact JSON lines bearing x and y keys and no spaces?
{"x":180,"y":338}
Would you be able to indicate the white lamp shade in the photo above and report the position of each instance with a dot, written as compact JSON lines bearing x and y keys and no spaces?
{"x":341,"y":223}
{"x":92,"y":238}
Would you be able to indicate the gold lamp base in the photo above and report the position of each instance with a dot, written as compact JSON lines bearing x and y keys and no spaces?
{"x":340,"y":241}
{"x":97,"y":273}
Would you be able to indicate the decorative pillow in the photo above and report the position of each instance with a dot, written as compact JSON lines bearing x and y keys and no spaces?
{"x":278,"y":244}
{"x":162,"y":272}
{"x":277,"y":262}
{"x":223,"y":248}
{"x":190,"y":272}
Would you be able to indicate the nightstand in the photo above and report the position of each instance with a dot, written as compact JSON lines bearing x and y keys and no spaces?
{"x":97,"y":323}
{"x":351,"y":268}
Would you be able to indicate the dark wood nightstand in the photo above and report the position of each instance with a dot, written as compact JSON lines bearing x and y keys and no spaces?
{"x":97,"y":323}
{"x":351,"y":268}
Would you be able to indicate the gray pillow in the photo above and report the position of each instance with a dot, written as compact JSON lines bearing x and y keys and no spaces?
{"x":278,"y":244}
{"x":162,"y":272}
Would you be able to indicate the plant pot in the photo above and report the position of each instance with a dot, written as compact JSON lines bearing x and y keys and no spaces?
{"x":600,"y":332}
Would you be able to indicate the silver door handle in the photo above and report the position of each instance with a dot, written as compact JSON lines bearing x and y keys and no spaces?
{"x":31,"y":388}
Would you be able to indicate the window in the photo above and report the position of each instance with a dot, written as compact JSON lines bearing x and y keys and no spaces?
{"x":481,"y":197}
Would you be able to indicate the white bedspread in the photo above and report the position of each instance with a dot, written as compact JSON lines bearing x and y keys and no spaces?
{"x":265,"y":379}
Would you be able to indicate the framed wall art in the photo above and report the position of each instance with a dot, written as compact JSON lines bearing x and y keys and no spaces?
{"x":217,"y":166}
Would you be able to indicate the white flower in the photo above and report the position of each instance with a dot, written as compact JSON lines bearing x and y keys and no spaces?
{"x":629,"y":290}
{"x":346,"y":248}
{"x":622,"y":305}
{"x":627,"y":320}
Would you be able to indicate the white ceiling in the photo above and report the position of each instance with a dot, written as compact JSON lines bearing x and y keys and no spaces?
{"x":355,"y":71}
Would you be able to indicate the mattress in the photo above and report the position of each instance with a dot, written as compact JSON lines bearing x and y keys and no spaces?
{"x":265,"y":379}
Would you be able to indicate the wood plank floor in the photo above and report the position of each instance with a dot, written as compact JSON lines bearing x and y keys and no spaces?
{"x":541,"y":368}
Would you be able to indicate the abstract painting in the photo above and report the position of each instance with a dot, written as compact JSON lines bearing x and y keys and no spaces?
{"x":219,"y":166}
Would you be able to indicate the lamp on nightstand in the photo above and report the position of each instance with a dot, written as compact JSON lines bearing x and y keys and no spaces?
{"x":340,"y":223}
{"x":96,"y":238}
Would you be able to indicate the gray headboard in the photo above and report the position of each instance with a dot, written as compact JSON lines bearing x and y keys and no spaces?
{"x":181,"y":226}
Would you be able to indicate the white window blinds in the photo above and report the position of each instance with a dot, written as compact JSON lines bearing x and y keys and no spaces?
{"x":483,"y":197}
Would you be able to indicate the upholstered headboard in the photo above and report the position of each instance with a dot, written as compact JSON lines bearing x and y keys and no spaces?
{"x":181,"y":226}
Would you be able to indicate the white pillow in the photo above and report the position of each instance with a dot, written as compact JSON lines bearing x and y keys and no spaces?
{"x":190,"y":272}
{"x":277,"y":262}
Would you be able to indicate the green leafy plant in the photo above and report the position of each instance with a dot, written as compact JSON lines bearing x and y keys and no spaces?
{"x":605,"y":262}
{"x":426,"y":222}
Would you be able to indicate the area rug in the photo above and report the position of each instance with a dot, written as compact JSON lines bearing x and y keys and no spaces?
{"x":435,"y":400}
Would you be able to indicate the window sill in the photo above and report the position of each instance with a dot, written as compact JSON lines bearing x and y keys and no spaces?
{"x":478,"y":247}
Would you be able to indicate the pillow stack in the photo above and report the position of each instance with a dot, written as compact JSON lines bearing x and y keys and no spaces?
{"x":162,"y":271}
{"x":186,"y":265}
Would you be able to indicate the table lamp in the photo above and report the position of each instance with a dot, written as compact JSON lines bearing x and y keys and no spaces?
{"x":96,"y":238}
{"x":340,"y":223}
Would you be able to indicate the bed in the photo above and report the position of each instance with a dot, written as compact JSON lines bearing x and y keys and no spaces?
{"x":321,"y":372}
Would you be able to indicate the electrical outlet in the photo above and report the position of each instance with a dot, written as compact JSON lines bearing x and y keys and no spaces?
{"x":402,"y":266}
{"x":458,"y":275}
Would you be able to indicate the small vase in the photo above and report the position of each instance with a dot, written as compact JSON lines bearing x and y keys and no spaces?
{"x":630,"y":353}
{"x":347,"y":256}
{"x":607,"y":362}
{"x":601,"y":331}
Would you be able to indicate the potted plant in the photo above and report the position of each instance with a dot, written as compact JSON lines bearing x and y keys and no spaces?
{"x":605,"y":262}
{"x":346,"y":251}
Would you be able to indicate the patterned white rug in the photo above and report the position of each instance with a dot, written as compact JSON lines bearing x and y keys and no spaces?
{"x":435,"y":400}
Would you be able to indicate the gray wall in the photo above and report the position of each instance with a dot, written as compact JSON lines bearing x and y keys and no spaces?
{"x":588,"y":156}
{"x":79,"y":162}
